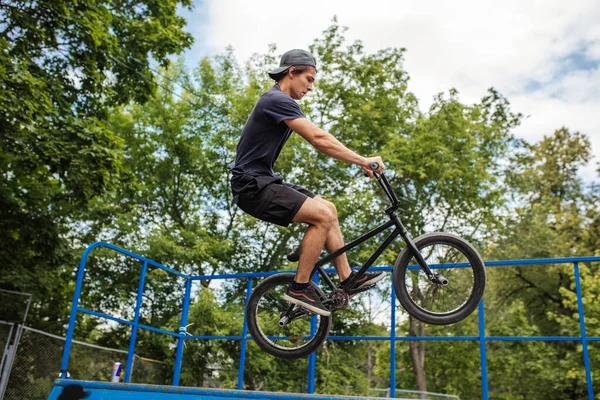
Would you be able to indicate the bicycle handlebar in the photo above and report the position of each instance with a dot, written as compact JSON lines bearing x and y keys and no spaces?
{"x":385,"y":185}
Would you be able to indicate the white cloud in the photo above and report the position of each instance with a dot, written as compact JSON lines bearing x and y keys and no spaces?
{"x":572,"y":101}
{"x":593,"y":52}
{"x":470,"y":45}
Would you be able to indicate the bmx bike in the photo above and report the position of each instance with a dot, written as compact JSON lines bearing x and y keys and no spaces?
{"x":439,"y":279}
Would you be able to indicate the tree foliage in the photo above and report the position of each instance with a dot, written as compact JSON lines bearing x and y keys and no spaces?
{"x":63,"y":66}
{"x":554,"y":214}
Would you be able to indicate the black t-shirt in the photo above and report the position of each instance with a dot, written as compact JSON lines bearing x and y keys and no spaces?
{"x":265,"y":133}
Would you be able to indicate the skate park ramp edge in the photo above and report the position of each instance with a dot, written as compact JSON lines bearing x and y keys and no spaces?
{"x":70,"y":389}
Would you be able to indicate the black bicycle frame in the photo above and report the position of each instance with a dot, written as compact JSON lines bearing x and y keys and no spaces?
{"x":394,"y":221}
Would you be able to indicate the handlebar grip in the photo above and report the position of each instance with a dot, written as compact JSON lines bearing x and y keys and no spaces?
{"x":374,"y":166}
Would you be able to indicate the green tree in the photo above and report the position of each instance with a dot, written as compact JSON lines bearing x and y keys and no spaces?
{"x":552,"y":214}
{"x":62,"y":66}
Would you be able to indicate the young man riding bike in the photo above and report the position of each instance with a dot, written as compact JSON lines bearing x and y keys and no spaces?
{"x":258,"y":191}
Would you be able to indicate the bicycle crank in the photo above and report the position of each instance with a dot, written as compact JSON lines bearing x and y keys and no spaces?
{"x":338,"y":299}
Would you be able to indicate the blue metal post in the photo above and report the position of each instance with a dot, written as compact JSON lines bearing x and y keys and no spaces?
{"x":69,"y":339}
{"x":312,"y":359}
{"x":182,"y":331}
{"x":240,"y":384}
{"x":482,"y":352}
{"x":584,"y":344}
{"x":136,"y":321}
{"x":393,"y":346}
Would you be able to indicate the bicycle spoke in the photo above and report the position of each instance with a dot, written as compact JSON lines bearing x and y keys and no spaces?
{"x":438,"y":298}
{"x":279,"y":304}
{"x":271,"y":308}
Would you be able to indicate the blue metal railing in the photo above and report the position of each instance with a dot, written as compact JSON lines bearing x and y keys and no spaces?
{"x":392,"y":338}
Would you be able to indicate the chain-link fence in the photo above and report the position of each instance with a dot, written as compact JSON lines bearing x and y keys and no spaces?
{"x":146,"y":370}
{"x":6,"y":329}
{"x":37,"y":365}
{"x":15,"y":306}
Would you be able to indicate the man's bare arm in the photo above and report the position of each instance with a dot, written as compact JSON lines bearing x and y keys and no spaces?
{"x":326,"y":143}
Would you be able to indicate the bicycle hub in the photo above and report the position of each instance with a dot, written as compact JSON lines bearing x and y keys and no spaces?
{"x":439,"y":279}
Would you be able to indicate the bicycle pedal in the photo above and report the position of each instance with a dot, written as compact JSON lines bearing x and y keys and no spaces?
{"x":305,"y":311}
{"x":353,"y":293}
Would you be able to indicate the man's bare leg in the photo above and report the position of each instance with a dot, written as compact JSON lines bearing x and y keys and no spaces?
{"x":321,"y":219}
{"x":335,"y":241}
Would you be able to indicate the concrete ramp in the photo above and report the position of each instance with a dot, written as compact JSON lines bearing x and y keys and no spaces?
{"x":70,"y":389}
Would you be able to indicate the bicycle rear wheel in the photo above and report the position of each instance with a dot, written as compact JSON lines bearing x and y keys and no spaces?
{"x":281,"y":328}
{"x":454,"y":259}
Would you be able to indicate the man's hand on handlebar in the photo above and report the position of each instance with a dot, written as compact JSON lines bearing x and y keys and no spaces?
{"x":370,"y":162}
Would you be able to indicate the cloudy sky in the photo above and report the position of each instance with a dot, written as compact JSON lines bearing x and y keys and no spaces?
{"x":544,"y":56}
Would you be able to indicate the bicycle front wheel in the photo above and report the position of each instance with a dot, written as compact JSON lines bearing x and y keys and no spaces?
{"x":461,"y":271}
{"x":281,"y":328}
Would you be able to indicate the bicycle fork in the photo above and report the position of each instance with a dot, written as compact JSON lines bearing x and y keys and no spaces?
{"x":436,"y":278}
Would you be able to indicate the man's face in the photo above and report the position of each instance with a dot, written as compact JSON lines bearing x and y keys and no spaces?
{"x":302,"y":83}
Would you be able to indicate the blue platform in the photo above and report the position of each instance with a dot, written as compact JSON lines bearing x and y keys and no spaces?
{"x":134,"y":391}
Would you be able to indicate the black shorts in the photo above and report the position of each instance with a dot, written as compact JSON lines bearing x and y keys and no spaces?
{"x":270,"y":200}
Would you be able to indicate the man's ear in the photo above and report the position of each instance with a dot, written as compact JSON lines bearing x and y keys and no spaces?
{"x":290,"y":72}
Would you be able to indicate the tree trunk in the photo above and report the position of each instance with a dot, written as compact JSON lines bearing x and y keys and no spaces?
{"x":370,"y":365}
{"x":417,"y":355}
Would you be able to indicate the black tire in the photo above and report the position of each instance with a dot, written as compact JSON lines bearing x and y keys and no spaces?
{"x":278,"y":284}
{"x":468,"y":282}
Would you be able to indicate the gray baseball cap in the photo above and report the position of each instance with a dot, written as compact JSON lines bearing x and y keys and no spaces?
{"x":293,"y":57}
